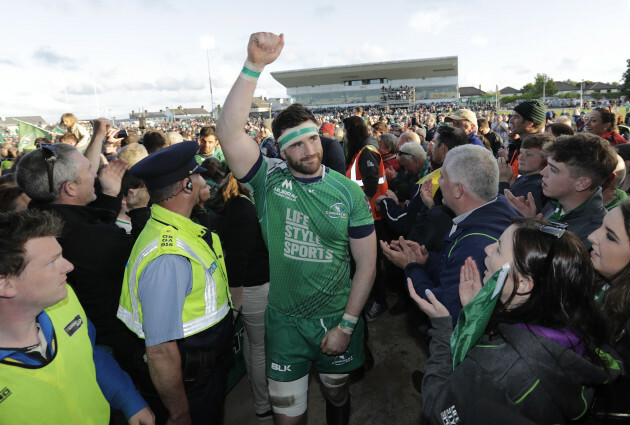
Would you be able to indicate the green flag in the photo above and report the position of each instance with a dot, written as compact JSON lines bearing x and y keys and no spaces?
{"x":58,"y":131}
{"x":28,"y":133}
{"x":474,"y":317}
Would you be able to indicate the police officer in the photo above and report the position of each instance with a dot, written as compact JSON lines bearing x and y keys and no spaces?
{"x":175,"y":293}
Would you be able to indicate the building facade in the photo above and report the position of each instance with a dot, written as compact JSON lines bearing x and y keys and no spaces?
{"x":432,"y":80}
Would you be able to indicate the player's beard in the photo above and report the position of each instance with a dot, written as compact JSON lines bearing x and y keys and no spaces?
{"x":304,"y":167}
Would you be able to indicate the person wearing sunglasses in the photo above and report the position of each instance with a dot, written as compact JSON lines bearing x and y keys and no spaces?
{"x":529,"y":339}
{"x":59,"y":178}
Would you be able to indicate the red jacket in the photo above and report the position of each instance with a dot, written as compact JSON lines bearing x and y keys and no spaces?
{"x":614,"y":138}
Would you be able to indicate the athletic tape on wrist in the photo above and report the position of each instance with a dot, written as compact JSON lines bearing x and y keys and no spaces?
{"x":347,"y":323}
{"x":350,"y":318}
{"x":250,"y":71}
{"x":345,"y":329}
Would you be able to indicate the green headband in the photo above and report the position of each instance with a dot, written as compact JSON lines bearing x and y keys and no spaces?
{"x":295,"y":134}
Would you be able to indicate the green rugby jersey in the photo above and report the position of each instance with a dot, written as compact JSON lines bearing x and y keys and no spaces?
{"x":305,"y":227}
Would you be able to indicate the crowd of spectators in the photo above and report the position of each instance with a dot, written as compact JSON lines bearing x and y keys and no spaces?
{"x":445,"y":185}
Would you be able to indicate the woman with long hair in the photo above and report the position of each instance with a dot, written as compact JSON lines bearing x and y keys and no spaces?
{"x":529,"y":339}
{"x":247,"y":264}
{"x":611,"y":259}
{"x":602,"y":122}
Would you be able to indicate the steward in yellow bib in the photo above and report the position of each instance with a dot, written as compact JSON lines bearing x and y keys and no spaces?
{"x":54,"y":374}
{"x":175,"y":293}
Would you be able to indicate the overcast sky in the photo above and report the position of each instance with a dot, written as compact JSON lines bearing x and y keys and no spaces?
{"x":98,"y":57}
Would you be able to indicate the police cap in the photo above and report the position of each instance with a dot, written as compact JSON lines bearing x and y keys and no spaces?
{"x":169,"y":165}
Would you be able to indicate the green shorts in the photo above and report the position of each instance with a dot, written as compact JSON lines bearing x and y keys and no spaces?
{"x":292,"y":347}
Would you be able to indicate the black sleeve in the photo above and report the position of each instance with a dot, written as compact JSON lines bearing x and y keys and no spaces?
{"x":241,"y":223}
{"x":139,"y":218}
{"x":368,"y":166}
{"x":106,"y":202}
{"x":333,"y":155}
{"x":431,"y":227}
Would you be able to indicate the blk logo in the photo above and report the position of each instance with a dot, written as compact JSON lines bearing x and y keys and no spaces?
{"x":281,"y":368}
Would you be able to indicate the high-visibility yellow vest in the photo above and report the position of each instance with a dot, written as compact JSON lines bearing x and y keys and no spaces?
{"x":65,"y":390}
{"x":170,"y":233}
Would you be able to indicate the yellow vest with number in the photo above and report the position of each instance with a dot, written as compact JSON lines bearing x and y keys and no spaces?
{"x":170,"y":233}
{"x":64,"y":391}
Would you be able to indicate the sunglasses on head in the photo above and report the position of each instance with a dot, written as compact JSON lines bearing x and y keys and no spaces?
{"x":50,"y":156}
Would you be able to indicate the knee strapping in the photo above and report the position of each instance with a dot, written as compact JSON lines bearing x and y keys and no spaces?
{"x":289,"y":398}
{"x":335,"y":386}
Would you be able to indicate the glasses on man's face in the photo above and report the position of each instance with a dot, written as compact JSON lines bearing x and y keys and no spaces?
{"x":50,"y":156}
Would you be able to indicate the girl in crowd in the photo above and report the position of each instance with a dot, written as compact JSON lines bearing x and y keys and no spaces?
{"x":611,"y":258}
{"x":528,"y":339}
{"x":602,"y":122}
{"x":69,"y":121}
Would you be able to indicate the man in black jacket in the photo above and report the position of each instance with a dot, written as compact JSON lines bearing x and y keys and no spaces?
{"x":59,"y":178}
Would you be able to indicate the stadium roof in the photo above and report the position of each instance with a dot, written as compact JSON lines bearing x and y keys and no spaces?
{"x":396,"y":70}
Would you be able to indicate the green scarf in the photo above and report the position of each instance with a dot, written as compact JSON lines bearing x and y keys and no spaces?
{"x":474,"y":317}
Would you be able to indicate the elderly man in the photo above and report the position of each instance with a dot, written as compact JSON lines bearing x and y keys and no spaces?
{"x":413,"y":159}
{"x":175,"y":293}
{"x":466,"y":120}
{"x":401,"y":182}
{"x":408,"y":136}
{"x":469,"y":179}
{"x":60,"y":179}
{"x":53,"y":373}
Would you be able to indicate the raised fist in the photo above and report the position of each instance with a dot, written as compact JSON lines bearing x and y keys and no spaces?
{"x":264,"y":48}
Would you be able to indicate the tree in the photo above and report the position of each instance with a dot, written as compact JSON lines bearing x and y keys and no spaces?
{"x":535,"y":90}
{"x":546,"y":81}
{"x":625,"y":85}
{"x":529,"y":87}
